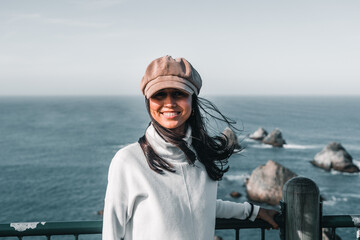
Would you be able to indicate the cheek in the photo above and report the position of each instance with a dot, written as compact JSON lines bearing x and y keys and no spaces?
{"x":187,"y":106}
{"x":154,"y":108}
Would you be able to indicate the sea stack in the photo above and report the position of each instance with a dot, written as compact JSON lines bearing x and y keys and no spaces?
{"x":334,"y":156}
{"x":266,"y":182}
{"x":259,"y":134}
{"x":232,"y":138}
{"x":274,"y":138}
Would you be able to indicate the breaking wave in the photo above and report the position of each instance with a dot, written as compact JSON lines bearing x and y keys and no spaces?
{"x":256,"y":144}
{"x":241,"y":177}
{"x":261,"y":146}
{"x":334,"y":172}
{"x":333,"y":200}
{"x":296,"y":146}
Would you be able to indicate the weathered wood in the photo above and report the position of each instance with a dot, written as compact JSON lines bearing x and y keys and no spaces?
{"x":302,"y":209}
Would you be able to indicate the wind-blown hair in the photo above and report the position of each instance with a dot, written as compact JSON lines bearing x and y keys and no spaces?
{"x":212,"y":151}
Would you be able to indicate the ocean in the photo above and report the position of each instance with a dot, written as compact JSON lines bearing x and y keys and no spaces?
{"x":55,"y":151}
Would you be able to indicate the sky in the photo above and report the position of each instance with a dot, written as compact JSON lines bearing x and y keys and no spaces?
{"x":257,"y":47}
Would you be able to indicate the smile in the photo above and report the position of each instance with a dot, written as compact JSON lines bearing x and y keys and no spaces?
{"x":170,"y":114}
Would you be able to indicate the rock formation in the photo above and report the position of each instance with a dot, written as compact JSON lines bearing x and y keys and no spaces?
{"x":259,"y":134}
{"x":232,"y":138}
{"x":266,"y":182}
{"x":235,"y":194}
{"x":274,"y":138}
{"x":336,"y":157}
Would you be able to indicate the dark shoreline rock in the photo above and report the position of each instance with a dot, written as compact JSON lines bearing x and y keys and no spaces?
{"x":235,"y":194}
{"x":274,"y":138}
{"x":334,"y":156}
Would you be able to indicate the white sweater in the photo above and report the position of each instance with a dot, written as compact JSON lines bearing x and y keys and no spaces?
{"x":142,"y":204}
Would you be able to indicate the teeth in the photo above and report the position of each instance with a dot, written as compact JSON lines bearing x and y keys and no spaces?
{"x":170,"y":114}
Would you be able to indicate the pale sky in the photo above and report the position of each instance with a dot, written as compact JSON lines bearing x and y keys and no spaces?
{"x":102,"y":47}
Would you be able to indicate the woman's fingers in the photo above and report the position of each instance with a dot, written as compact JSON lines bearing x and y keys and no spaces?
{"x":268,"y":216}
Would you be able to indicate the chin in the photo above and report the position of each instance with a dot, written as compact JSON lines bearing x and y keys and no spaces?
{"x":170,"y":126}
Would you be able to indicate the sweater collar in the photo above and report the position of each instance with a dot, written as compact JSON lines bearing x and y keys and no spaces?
{"x":166,"y":150}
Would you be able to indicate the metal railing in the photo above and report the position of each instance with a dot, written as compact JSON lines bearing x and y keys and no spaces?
{"x":301,"y":218}
{"x":49,"y":229}
{"x":341,"y":221}
{"x":237,"y":224}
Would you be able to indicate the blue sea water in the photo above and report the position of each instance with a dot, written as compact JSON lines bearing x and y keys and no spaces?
{"x":55,"y":151}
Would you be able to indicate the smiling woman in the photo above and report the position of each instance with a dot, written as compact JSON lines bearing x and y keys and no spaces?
{"x":171,"y":108}
{"x":164,"y":186}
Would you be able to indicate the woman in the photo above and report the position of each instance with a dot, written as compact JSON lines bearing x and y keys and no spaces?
{"x":164,"y":186}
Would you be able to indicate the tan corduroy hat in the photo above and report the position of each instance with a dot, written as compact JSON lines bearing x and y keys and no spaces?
{"x":166,"y":72}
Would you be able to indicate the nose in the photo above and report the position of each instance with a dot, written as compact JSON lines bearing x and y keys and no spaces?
{"x":169,"y":101}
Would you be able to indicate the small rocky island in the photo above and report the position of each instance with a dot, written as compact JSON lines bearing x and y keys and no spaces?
{"x":274,"y":138}
{"x":259,"y":134}
{"x":231,"y":138}
{"x":266,"y":182}
{"x":334,"y":156}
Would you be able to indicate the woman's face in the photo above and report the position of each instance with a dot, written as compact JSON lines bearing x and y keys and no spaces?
{"x":171,"y":108}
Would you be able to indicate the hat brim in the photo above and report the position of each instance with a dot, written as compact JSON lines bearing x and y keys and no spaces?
{"x":163,"y":82}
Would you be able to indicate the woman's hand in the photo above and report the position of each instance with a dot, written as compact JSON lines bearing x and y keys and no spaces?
{"x":268,"y":216}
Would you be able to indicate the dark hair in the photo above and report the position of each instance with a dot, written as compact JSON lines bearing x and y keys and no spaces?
{"x":212,"y":151}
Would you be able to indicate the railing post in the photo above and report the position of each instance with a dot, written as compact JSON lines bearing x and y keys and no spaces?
{"x":302,"y":209}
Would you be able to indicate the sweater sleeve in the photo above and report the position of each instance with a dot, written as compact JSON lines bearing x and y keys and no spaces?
{"x":227,"y":209}
{"x":116,"y":204}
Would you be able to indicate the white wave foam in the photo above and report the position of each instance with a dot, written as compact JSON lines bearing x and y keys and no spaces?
{"x":351,"y":195}
{"x":238,"y":177}
{"x":333,"y":200}
{"x":286,"y":146}
{"x":246,"y":139}
{"x":296,"y":146}
{"x":334,"y":172}
{"x":262,"y":146}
